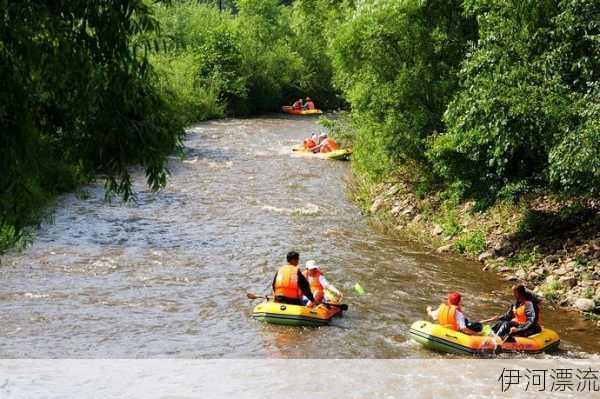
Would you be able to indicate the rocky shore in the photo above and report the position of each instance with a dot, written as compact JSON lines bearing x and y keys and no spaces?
{"x":552,"y":245}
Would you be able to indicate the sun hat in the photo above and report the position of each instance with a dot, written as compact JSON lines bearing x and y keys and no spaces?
{"x":311,"y":264}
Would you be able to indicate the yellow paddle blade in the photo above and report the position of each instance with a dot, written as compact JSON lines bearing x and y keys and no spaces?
{"x":359,"y":290}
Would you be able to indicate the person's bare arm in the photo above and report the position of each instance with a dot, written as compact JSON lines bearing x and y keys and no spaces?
{"x":490,"y":319}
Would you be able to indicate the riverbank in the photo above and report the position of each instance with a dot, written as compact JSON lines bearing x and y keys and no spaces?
{"x":551,"y":245}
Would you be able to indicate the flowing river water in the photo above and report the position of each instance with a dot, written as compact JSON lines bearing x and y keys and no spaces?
{"x":166,"y":276}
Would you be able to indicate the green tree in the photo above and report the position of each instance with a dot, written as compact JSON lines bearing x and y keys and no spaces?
{"x":575,"y":160}
{"x":77,"y":99}
{"x":522,"y":116}
{"x":396,"y":63}
{"x":313,"y":23}
{"x":273,"y":67}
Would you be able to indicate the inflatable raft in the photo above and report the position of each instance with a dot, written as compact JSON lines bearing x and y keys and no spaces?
{"x":442,"y":339}
{"x":337,"y":155}
{"x":294,"y":111}
{"x":295,"y":315}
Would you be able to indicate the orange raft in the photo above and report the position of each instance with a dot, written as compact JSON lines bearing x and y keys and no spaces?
{"x":442,"y":339}
{"x":295,"y":111}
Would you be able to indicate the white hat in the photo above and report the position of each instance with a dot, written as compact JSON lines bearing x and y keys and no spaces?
{"x":311,"y":264}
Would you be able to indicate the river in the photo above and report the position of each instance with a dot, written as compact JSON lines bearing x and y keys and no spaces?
{"x":166,"y":275}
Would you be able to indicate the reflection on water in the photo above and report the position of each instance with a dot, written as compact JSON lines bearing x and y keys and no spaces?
{"x":165,"y":276}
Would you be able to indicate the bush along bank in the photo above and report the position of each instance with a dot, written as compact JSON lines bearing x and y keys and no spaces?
{"x":551,"y":245}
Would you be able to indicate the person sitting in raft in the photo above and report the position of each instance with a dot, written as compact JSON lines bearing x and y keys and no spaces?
{"x":298,"y":104}
{"x":289,"y":284}
{"x":318,"y":283}
{"x":311,"y":142}
{"x":450,"y":315}
{"x":522,"y":319}
{"x":326,"y":144}
{"x":309,"y":104}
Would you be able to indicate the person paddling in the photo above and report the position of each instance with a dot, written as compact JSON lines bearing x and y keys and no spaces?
{"x":289,"y":284}
{"x":521,"y":319}
{"x":318,"y":282}
{"x":450,"y":315}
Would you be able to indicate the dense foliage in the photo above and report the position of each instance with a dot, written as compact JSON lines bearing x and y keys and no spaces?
{"x":526,"y":116}
{"x":219,"y":63}
{"x":76,"y":99}
{"x":491,"y":99}
{"x":396,"y":63}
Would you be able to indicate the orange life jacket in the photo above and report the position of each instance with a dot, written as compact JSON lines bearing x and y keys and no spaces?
{"x":447,"y":316}
{"x":330,"y":145}
{"x":310,"y":105}
{"x":520,"y":317}
{"x":316,"y":288}
{"x":309,"y":143}
{"x":297,"y":105}
{"x":286,"y":282}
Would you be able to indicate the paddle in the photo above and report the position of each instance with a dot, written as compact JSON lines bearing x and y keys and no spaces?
{"x":342,"y":306}
{"x":302,"y":149}
{"x":251,"y":295}
{"x":359,"y":289}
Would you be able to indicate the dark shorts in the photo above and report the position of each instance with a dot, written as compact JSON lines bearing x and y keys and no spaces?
{"x":289,"y":301}
{"x":473,"y":325}
{"x":502,"y":329}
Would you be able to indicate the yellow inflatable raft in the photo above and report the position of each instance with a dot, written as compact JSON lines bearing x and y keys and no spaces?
{"x":295,"y":315}
{"x":442,"y":339}
{"x":290,"y":110}
{"x":337,"y":155}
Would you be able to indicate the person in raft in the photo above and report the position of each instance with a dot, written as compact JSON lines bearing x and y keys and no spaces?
{"x":318,"y":283}
{"x":522,"y":319}
{"x":289,"y":284}
{"x":311,"y":142}
{"x":298,"y":104}
{"x":450,"y":315}
{"x":309,"y":104}
{"x":326,"y":144}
